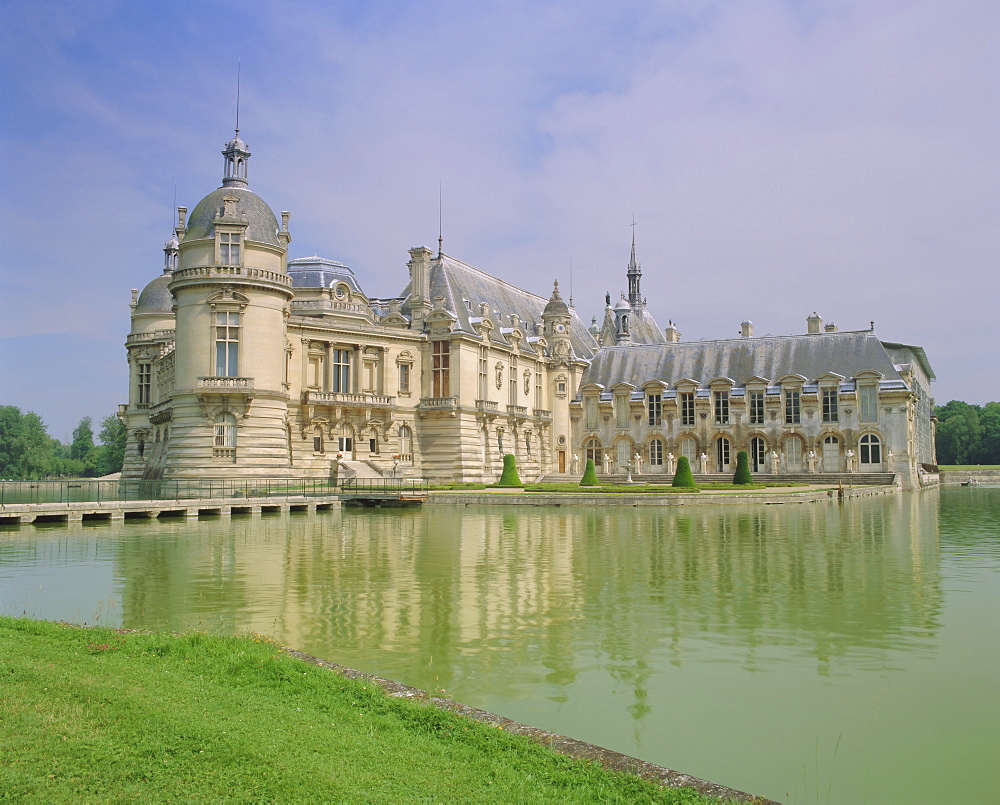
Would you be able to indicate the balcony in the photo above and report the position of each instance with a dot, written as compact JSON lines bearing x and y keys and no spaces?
{"x":541,"y":413}
{"x":517,"y":410}
{"x":487,"y":406}
{"x":225,"y":385}
{"x":344,"y":400}
{"x":439,"y":402}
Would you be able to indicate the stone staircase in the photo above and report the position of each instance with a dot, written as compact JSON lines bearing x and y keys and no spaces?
{"x":357,"y":470}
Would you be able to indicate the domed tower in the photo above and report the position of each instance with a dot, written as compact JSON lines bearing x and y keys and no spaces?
{"x":150,"y":339}
{"x":231,"y":293}
{"x":555,"y":324}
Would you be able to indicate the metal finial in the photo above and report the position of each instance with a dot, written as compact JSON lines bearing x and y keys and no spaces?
{"x":440,"y":221}
{"x":238,"y":67}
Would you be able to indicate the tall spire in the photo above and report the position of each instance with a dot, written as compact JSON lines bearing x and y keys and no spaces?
{"x":634,"y":274}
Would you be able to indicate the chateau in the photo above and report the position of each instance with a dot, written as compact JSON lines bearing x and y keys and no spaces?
{"x":244,"y":363}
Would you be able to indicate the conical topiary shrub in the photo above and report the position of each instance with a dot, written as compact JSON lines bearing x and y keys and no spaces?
{"x":742,"y":474}
{"x":509,"y":476}
{"x":589,"y":474}
{"x":683,"y":476}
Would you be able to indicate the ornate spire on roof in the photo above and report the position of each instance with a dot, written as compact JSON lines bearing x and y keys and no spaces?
{"x":634,"y":274}
{"x":237,"y":154}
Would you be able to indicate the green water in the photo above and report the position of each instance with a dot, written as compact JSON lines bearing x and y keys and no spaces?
{"x":810,"y":653}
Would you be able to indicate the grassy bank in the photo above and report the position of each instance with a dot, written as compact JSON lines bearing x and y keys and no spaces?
{"x":98,"y":715}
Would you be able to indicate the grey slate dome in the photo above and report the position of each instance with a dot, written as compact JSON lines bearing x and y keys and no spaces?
{"x":249,"y":208}
{"x":156,"y":297}
{"x":556,"y":306}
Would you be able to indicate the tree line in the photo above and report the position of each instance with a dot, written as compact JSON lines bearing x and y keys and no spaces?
{"x":28,"y":452}
{"x":967,"y":433}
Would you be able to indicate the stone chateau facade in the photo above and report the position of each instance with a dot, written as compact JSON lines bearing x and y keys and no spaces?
{"x":244,"y":363}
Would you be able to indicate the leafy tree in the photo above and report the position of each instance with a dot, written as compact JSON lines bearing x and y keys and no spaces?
{"x":10,"y":435}
{"x":509,"y":476}
{"x":742,"y":475}
{"x":959,"y":432}
{"x":83,"y":439}
{"x":112,"y":438}
{"x":26,"y":448}
{"x":589,"y":474}
{"x":988,"y":451}
{"x":684,"y":477}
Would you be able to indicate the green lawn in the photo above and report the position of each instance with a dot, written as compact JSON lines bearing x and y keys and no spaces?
{"x":90,"y":715}
{"x":968,"y":467}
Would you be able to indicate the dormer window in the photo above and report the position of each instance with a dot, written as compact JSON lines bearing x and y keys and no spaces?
{"x":229,"y":248}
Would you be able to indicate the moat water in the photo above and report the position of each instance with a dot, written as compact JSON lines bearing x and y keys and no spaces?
{"x":811,"y":653}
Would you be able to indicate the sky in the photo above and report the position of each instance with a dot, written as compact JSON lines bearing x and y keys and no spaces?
{"x":778,"y":157}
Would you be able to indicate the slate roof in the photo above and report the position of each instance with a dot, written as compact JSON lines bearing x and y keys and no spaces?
{"x":262,"y":226}
{"x":320,"y":272}
{"x":459,"y":283}
{"x":156,"y":297}
{"x":772,"y":357}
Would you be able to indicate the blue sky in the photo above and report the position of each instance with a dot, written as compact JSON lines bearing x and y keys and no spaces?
{"x":778,"y":157}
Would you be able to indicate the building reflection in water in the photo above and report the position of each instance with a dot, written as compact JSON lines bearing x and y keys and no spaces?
{"x":516,"y":599}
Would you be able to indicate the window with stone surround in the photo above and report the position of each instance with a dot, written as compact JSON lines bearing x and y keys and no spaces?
{"x":829,"y":398}
{"x":654,"y":409}
{"x":441,"y":369}
{"x":687,"y":408}
{"x":656,"y":453}
{"x":868,"y":403}
{"x":227,"y":344}
{"x":340,"y":370}
{"x":229,"y":248}
{"x":721,"y":407}
{"x":145,"y":383}
{"x":756,"y":400}
{"x":793,"y":407}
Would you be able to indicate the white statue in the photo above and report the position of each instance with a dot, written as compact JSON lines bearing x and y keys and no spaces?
{"x":576,"y":464}
{"x":637,"y":463}
{"x":774,"y":462}
{"x":703,"y":463}
{"x":811,"y":461}
{"x":607,"y":462}
{"x":849,"y":455}
{"x":670,"y":463}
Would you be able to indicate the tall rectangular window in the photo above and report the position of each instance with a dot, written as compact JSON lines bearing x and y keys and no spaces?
{"x":340,"y":370}
{"x":621,"y":411}
{"x":404,"y":377}
{"x":654,"y":409}
{"x":793,"y":407}
{"x":229,"y":248}
{"x":227,"y":344}
{"x":756,"y":407}
{"x":441,"y":369}
{"x":145,"y":383}
{"x":484,"y":373}
{"x":538,"y":386}
{"x":590,"y":412}
{"x":512,"y":383}
{"x":868,"y":399}
{"x":687,"y":408}
{"x":721,"y":400}
{"x":830,"y":405}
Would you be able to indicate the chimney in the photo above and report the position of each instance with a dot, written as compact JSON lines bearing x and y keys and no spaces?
{"x":746,"y":329}
{"x":830,"y":328}
{"x":672,"y":333}
{"x":420,"y":269}
{"x":814,"y":322}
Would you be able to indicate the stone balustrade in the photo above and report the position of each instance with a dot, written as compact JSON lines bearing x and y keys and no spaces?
{"x":349,"y":400}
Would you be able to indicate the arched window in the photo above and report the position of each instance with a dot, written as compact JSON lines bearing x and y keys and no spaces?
{"x":592,"y":450}
{"x":225,"y":430}
{"x":871,"y":450}
{"x":656,"y":453}
{"x":405,"y":443}
{"x":757,"y":454}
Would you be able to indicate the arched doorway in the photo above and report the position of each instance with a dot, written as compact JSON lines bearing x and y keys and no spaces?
{"x":831,"y":454}
{"x":592,"y":450}
{"x":793,"y":454}
{"x":723,"y":452}
{"x":758,"y":453}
